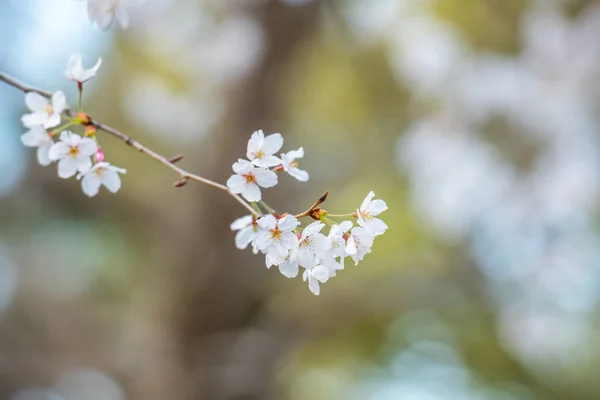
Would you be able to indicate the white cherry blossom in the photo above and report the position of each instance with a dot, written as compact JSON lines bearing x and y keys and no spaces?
{"x":312,"y":244}
{"x":359,"y":243}
{"x":246,"y":228}
{"x":101,"y":174}
{"x":43,"y":112}
{"x":276,"y":238}
{"x":103,"y":12}
{"x":314,"y":276}
{"x":289,"y":266}
{"x":38,"y":137}
{"x":290,"y":164}
{"x":248,"y":179}
{"x":337,"y":240}
{"x":77,"y":73}
{"x":367,"y":212}
{"x":73,"y":154}
{"x":261,"y":149}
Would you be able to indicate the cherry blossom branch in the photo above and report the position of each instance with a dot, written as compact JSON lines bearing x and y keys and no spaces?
{"x":168,"y":162}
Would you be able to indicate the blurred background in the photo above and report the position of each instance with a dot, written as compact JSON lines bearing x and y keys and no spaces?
{"x":476,"y":120}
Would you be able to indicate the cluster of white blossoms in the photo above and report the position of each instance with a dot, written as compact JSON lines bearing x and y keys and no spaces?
{"x":280,"y":237}
{"x":76,"y":155}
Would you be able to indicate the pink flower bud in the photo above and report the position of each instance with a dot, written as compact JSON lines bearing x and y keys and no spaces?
{"x":99,"y":156}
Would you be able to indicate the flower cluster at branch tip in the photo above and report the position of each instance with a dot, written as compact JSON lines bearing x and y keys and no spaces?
{"x":280,"y":237}
{"x":76,"y":155}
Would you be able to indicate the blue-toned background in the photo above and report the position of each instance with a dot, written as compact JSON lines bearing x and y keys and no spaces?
{"x":477,"y":121}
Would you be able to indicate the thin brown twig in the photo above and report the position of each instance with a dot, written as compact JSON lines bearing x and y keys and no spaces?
{"x":314,"y":206}
{"x":185,"y":175}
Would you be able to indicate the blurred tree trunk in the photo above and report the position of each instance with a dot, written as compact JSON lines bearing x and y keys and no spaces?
{"x":212,"y":347}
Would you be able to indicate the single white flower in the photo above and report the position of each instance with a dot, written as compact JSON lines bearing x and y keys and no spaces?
{"x":289,"y":266}
{"x":261,"y":149}
{"x":43,"y":112}
{"x":77,"y":73}
{"x":319,"y":273}
{"x":337,"y":240}
{"x":367,"y":212}
{"x":73,"y":154}
{"x":312,"y":244}
{"x":359,"y":243}
{"x":103,"y":12}
{"x":100,"y":174}
{"x":246,"y":228}
{"x":276,"y":238}
{"x":248,"y":180}
{"x":290,"y":164}
{"x":38,"y":137}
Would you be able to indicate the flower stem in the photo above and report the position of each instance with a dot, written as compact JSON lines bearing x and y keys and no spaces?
{"x":266,"y":207}
{"x":256,"y":208}
{"x":80,"y":103}
{"x":341,"y":215}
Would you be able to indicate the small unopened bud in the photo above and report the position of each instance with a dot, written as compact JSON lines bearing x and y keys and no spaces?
{"x":323,"y":197}
{"x":52,"y":133}
{"x":84,"y":118}
{"x":99,"y":156}
{"x":90,"y":130}
{"x":176,"y":158}
{"x":278,"y":168}
{"x":317,"y":213}
{"x":181,"y":183}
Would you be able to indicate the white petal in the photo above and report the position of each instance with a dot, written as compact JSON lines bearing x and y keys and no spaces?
{"x":264,"y":177}
{"x":367,"y":200}
{"x":112,"y":181}
{"x":289,"y":270}
{"x":241,"y":222}
{"x":251,"y":191}
{"x":34,"y":137}
{"x":67,"y":167}
{"x":244,"y":237}
{"x":377,"y":207}
{"x":296,"y":154}
{"x":267,"y":222}
{"x":58,"y":150}
{"x":90,"y":184}
{"x":59,"y":102}
{"x":34,"y":119}
{"x":88,"y":147}
{"x":74,"y":66}
{"x":52,"y":121}
{"x":242,"y":166}
{"x":320,"y":273}
{"x":83,"y":163}
{"x":313,"y":285}
{"x":267,"y":161}
{"x":287,"y":223}
{"x":255,"y":144}
{"x":299,"y":174}
{"x":43,"y":155}
{"x":235,"y":183}
{"x":36,"y":102}
{"x":313,"y":228}
{"x":272,"y":143}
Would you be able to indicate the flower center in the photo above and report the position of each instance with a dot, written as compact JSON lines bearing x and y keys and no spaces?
{"x":275,"y":234}
{"x":250,"y":178}
{"x":366,"y":215}
{"x":73,"y":151}
{"x":49,"y":109}
{"x":305,"y":243}
{"x":260,"y":154}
